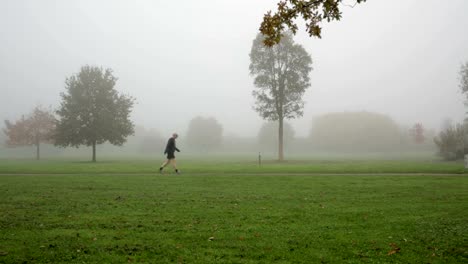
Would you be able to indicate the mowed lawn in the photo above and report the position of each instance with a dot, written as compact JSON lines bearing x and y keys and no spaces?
{"x":225,"y":216}
{"x":226,"y":165}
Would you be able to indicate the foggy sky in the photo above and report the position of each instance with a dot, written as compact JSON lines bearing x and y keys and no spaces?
{"x":181,"y":59}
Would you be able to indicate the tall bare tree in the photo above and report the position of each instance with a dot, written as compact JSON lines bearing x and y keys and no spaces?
{"x":281,"y":76}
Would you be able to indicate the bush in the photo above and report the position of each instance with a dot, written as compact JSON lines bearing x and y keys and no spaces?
{"x":451,"y":142}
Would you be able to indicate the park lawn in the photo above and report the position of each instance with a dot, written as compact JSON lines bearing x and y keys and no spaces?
{"x":226,"y":165}
{"x":233,"y":218}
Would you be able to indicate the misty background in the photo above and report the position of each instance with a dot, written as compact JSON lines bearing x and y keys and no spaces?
{"x":186,"y":59}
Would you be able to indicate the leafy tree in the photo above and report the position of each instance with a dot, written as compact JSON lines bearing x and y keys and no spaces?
{"x":92,"y":111}
{"x":450,"y":142}
{"x":204,"y":133}
{"x":268,"y":135}
{"x":417,"y":132}
{"x":281,"y":77}
{"x":313,"y":12}
{"x":355,"y":131}
{"x":36,"y":128}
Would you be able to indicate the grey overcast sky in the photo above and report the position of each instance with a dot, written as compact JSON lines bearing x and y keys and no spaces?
{"x":181,"y":59}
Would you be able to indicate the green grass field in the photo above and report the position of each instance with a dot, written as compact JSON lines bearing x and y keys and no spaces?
{"x":226,"y":165}
{"x":233,"y":212}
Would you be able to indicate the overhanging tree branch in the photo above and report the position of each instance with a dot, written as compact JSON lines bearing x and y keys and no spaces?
{"x":313,"y":12}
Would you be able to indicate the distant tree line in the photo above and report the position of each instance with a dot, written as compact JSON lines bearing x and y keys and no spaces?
{"x":347,"y":132}
{"x":92,"y":113}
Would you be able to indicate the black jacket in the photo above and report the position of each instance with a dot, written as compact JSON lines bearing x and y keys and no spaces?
{"x":171,"y":146}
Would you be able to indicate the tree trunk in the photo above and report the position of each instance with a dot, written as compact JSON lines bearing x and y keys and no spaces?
{"x":280,"y":140}
{"x":38,"y":155}
{"x":94,"y":151}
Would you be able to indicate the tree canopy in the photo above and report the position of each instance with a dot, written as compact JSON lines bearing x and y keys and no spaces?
{"x":313,"y":12}
{"x":92,"y":111}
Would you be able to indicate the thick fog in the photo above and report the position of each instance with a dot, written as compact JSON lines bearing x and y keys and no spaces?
{"x":182,"y":59}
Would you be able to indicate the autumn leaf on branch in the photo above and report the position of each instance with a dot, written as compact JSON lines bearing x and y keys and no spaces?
{"x":313,"y":12}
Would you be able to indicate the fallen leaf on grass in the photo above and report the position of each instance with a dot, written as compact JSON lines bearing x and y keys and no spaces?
{"x":211,"y":238}
{"x":395,"y":249}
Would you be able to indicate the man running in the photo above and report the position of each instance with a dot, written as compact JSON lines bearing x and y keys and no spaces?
{"x":170,"y":149}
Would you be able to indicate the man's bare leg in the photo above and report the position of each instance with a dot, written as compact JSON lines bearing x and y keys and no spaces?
{"x":174,"y":165}
{"x":163,"y":165}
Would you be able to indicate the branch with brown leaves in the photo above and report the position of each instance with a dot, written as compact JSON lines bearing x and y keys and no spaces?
{"x":313,"y":12}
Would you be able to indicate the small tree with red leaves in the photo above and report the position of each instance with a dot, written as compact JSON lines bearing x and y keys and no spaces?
{"x":32,"y":130}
